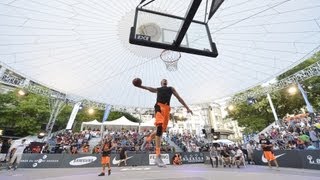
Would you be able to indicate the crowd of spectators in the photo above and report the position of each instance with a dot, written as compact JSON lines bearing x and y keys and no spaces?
{"x":133,"y":141}
{"x":297,"y":132}
{"x":69,"y":142}
{"x":189,"y":142}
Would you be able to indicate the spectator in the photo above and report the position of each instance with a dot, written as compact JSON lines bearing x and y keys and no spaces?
{"x":17,"y":154}
{"x":123,"y":156}
{"x":214,"y":154}
{"x":238,"y":157}
{"x":250,"y":148}
{"x":176,"y":160}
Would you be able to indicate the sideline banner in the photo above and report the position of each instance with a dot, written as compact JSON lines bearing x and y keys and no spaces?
{"x":192,"y":157}
{"x":306,"y":159}
{"x":165,"y":158}
{"x":41,"y":161}
{"x":78,"y":160}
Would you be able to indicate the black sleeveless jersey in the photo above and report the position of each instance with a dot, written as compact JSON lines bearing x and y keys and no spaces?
{"x":164,"y":95}
{"x":106,"y":151}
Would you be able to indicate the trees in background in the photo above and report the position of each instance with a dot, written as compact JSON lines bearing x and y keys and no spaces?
{"x":25,"y":115}
{"x":256,"y":116}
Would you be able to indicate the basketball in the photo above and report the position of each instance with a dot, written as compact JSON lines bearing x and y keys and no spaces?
{"x":137,"y":82}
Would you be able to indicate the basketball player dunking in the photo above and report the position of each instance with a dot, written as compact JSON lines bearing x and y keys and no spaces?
{"x":162,"y":113}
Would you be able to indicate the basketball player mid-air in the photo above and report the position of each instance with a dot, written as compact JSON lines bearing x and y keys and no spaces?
{"x":162,"y":112}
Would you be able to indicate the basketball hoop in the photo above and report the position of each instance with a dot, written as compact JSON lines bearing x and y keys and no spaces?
{"x":170,"y":58}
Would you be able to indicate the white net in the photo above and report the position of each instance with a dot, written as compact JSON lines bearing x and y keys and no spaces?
{"x":170,"y":58}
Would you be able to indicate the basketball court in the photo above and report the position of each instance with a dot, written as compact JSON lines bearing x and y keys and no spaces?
{"x":188,"y":172}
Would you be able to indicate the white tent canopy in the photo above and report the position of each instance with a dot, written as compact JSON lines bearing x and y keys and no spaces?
{"x":123,"y":121}
{"x":82,"y":48}
{"x":94,"y":124}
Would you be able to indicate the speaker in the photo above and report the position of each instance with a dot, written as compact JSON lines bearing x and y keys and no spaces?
{"x":212,"y":130}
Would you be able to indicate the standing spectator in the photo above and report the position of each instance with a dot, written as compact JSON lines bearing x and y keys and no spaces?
{"x":123,"y":156}
{"x":250,"y":148}
{"x":314,"y":138}
{"x":17,"y":155}
{"x":5,"y":148}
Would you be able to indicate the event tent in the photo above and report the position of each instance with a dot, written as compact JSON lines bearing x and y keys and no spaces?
{"x":122,"y":122}
{"x":94,"y":124}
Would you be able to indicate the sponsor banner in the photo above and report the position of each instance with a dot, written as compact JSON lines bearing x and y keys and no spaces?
{"x":133,"y":159}
{"x":192,"y":157}
{"x":165,"y":158}
{"x":206,"y":158}
{"x":81,"y":160}
{"x":306,"y":159}
{"x":311,"y":159}
{"x":41,"y":161}
{"x":285,"y":158}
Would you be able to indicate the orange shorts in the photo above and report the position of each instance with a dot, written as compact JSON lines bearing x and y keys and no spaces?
{"x":269,"y":155}
{"x":162,"y":115}
{"x":105,"y":159}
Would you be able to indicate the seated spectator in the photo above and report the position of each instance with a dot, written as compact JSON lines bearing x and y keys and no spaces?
{"x":74,"y":150}
{"x":96,"y":149}
{"x":214,"y":154}
{"x":176,"y":160}
{"x":238,"y":157}
{"x":85,"y":148}
{"x":310,"y":146}
{"x":226,"y":158}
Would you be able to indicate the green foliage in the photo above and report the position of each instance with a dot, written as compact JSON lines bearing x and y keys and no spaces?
{"x":303,"y":65}
{"x":257,"y":116}
{"x":23,"y":114}
{"x":26,"y":114}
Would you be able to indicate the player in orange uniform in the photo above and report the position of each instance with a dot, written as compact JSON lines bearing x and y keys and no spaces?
{"x":162,"y":113}
{"x":105,"y":157}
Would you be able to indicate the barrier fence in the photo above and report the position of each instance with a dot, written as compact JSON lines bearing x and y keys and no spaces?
{"x":306,"y":159}
{"x":93,"y":160}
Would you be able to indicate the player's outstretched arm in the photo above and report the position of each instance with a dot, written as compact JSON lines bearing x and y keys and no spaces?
{"x":175,"y":93}
{"x":151,"y":89}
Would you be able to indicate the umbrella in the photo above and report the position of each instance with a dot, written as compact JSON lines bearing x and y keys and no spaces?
{"x":304,"y":138}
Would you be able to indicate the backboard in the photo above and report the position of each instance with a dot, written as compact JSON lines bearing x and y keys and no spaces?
{"x":158,"y":29}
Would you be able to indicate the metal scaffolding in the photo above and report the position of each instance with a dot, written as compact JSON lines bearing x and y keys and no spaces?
{"x":311,"y":71}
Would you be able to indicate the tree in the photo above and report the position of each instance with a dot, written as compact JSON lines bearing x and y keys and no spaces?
{"x":259,"y":115}
{"x":23,"y":114}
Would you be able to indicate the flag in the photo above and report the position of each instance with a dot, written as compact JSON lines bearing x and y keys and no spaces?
{"x":305,"y":97}
{"x":73,"y":115}
{"x":106,"y":112}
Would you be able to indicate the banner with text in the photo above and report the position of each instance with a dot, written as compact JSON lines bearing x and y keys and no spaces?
{"x":307,"y":159}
